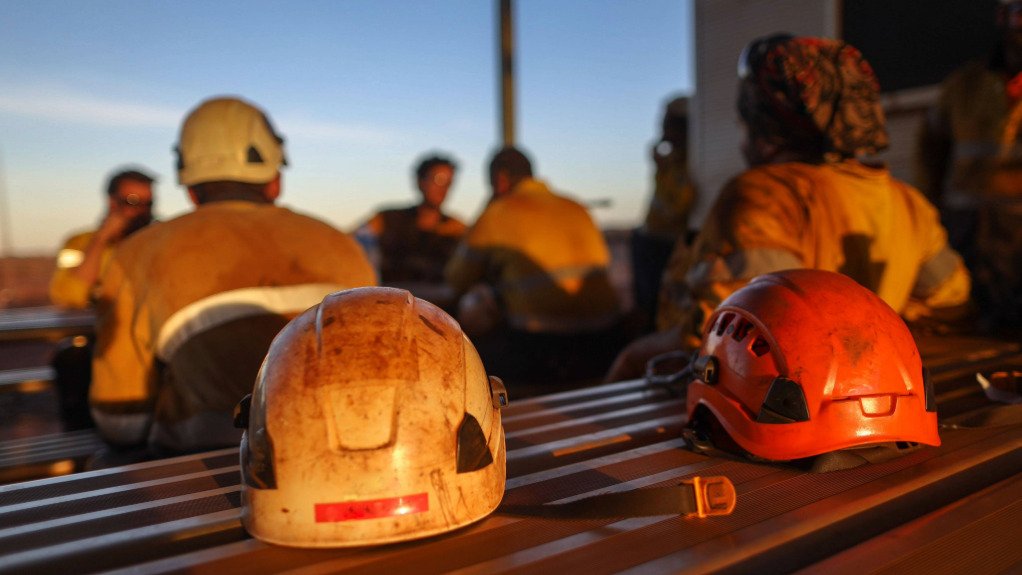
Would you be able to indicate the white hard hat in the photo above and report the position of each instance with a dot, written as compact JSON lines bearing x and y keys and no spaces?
{"x":228,"y":139}
{"x":372,"y":421}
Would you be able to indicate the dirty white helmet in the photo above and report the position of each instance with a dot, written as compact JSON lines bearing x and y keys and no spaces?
{"x":372,"y":421}
{"x":228,"y":139}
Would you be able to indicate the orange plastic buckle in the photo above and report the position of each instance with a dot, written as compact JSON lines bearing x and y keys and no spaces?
{"x":714,"y":495}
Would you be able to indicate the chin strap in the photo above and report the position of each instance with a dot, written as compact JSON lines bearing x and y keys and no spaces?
{"x":695,"y":497}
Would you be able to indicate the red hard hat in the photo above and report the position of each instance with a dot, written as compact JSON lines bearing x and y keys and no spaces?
{"x":804,"y":362}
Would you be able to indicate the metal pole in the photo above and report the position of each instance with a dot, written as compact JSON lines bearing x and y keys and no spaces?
{"x":5,"y":214}
{"x":507,"y":75}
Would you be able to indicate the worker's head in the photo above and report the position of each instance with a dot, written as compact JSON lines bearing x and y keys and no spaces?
{"x":508,"y":166}
{"x":130,"y":193}
{"x":434,"y":176}
{"x":808,"y":99}
{"x":228,"y":149}
{"x":675,"y":125}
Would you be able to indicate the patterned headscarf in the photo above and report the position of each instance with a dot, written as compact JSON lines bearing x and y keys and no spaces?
{"x":811,"y":95}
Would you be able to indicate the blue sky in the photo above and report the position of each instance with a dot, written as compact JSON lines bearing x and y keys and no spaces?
{"x":360,"y":89}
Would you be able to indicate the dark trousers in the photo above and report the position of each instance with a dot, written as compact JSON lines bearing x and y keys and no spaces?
{"x":72,"y":364}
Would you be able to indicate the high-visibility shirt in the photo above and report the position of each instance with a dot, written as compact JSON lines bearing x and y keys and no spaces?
{"x":187,"y":310}
{"x":66,"y":289}
{"x":546,"y":259}
{"x":845,"y":217}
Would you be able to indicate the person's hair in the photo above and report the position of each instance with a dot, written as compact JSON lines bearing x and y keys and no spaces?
{"x":126,"y":175}
{"x":427,"y":164}
{"x":512,"y":161}
{"x":228,"y":190}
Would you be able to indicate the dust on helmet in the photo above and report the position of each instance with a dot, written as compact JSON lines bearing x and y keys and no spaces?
{"x":803,"y":362}
{"x":372,"y":420}
{"x":228,"y":139}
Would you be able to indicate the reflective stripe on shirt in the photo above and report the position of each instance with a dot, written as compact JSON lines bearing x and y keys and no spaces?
{"x":69,"y":258}
{"x":223,"y":307}
{"x":933,"y":273}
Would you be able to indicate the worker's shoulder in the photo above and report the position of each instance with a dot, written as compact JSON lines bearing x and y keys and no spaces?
{"x":78,"y":240}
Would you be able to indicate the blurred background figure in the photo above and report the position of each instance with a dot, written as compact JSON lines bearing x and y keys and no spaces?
{"x":968,"y":161}
{"x":413,"y":243}
{"x":810,"y":110}
{"x":83,"y":255}
{"x":533,"y":269}
{"x":188,"y":308}
{"x":667,"y":218}
{"x":80,"y":263}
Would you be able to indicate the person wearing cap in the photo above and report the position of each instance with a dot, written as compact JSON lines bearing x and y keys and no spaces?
{"x":967,"y":161}
{"x":80,"y":263}
{"x":533,"y":273}
{"x":811,"y":115}
{"x":187,"y":309}
{"x":415,"y":242}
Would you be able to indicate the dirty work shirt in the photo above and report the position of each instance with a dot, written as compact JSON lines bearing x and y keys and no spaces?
{"x":411,"y":254}
{"x":187,"y":310}
{"x":66,"y":289}
{"x":845,"y":217}
{"x":546,"y":259}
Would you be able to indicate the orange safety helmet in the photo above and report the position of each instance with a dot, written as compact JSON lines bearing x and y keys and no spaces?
{"x":804,"y":362}
{"x":372,"y":421}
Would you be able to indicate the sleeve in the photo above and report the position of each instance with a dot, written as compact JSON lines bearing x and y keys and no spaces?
{"x":66,"y":289}
{"x":470,"y":260}
{"x":123,"y":388}
{"x":751,"y":230}
{"x":943,"y":280}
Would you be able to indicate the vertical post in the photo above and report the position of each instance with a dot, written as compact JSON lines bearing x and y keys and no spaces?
{"x":507,"y":76}
{"x":5,"y":215}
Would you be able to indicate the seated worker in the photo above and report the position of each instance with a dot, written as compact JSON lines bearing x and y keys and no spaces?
{"x":79,"y":265}
{"x":81,"y":259}
{"x":811,"y":113}
{"x":535,"y":270}
{"x":416,"y":241}
{"x":188,"y":308}
{"x":666,"y":220}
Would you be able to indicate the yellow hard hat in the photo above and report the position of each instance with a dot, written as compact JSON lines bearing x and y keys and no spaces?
{"x":372,"y":421}
{"x":228,"y":139}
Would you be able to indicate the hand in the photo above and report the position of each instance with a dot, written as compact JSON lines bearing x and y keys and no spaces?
{"x":114,"y":226}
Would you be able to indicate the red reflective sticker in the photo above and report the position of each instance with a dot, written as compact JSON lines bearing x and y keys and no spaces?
{"x":372,"y":509}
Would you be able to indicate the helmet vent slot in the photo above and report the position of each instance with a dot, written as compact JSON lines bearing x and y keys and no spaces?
{"x":742,"y":329}
{"x":724,"y":321}
{"x":473,"y":451}
{"x":254,"y":157}
{"x":760,"y":346}
{"x":784,"y":403}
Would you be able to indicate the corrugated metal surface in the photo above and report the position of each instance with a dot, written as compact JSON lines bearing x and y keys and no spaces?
{"x":181,"y":515}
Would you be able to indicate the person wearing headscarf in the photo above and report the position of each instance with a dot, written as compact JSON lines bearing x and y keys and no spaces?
{"x":810,"y":198}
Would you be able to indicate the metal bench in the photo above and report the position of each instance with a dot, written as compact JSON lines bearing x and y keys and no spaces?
{"x":26,"y":379}
{"x":46,"y":455}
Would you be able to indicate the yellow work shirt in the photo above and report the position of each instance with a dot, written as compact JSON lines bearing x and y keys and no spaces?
{"x":229,"y":246}
{"x":66,"y":289}
{"x":546,"y":259}
{"x":845,"y":217}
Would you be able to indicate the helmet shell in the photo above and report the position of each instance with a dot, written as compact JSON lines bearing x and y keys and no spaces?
{"x":372,"y":421}
{"x":228,"y":139}
{"x":808,"y":361}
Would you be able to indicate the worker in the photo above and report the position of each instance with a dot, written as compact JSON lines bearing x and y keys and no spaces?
{"x":810,"y":198}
